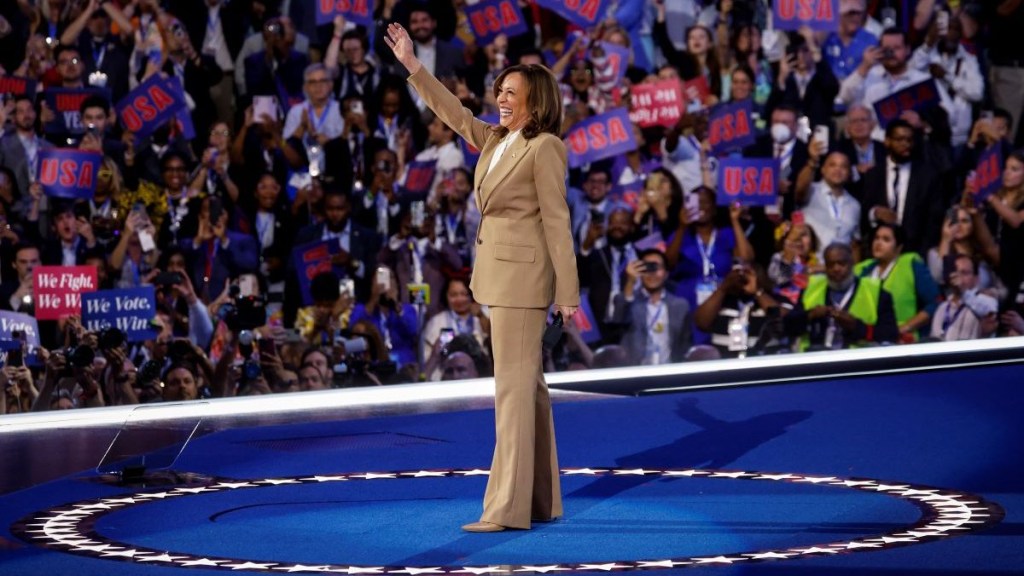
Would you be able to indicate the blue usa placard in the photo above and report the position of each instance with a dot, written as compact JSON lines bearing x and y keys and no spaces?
{"x":131,"y":310}
{"x":68,"y":172}
{"x":600,"y":137}
{"x":749,"y":181}
{"x":731,"y":126}
{"x":358,"y":11}
{"x":150,"y":105}
{"x":818,"y":15}
{"x":918,"y":97}
{"x":584,"y":13}
{"x":489,"y":18}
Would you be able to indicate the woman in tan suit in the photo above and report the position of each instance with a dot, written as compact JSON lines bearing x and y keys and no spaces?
{"x":525,"y":262}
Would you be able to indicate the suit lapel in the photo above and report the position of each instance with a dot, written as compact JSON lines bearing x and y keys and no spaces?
{"x":513,"y":154}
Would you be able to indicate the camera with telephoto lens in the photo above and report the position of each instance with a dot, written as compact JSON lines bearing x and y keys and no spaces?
{"x":355,"y":365}
{"x":243,"y":312}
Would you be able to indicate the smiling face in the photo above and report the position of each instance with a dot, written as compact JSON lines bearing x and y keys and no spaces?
{"x":513,"y":112}
{"x":1013,"y":173}
{"x":267,"y":192}
{"x":742,"y":86}
{"x":458,"y":297}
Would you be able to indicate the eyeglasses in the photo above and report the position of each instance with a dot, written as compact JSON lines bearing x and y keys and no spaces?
{"x":318,"y":81}
{"x":221,"y":132}
{"x":64,"y":62}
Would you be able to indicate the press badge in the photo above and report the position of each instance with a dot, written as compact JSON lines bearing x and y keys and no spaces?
{"x":705,"y":288}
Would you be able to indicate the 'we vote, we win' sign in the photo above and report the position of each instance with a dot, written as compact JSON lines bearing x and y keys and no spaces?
{"x":130,"y":309}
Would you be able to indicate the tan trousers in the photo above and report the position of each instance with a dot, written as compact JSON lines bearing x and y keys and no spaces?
{"x":523,"y":483}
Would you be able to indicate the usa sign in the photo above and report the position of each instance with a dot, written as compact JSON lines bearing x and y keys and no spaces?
{"x":489,"y":18}
{"x":584,"y":13}
{"x":819,"y":15}
{"x":749,"y":181}
{"x":918,"y":97}
{"x":149,"y":106}
{"x":358,"y":11}
{"x":730,"y":126}
{"x":600,"y":137}
{"x":68,"y":172}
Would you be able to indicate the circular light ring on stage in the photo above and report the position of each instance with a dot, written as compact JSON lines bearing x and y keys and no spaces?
{"x":69,"y":528}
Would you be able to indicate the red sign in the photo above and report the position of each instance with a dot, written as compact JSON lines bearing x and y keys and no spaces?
{"x":657,"y":104}
{"x":57,"y":290}
{"x":18,"y":86}
{"x":696,"y":90}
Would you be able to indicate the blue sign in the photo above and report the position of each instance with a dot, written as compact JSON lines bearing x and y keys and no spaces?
{"x":749,"y":181}
{"x":130,"y":309}
{"x":918,"y":97}
{"x":419,"y":177}
{"x":150,"y":105}
{"x":988,"y":176}
{"x":731,"y":126}
{"x":358,"y":11}
{"x":584,"y":13}
{"x":68,"y":172}
{"x":65,"y":104}
{"x":313,"y":259}
{"x":11,"y":322}
{"x":818,"y":15}
{"x":489,"y":18}
{"x":617,"y":59}
{"x":599,"y":137}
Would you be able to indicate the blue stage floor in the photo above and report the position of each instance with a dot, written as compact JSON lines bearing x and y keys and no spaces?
{"x":909,"y":474}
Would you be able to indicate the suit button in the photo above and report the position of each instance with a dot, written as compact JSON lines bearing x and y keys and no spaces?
{"x":479,"y":241}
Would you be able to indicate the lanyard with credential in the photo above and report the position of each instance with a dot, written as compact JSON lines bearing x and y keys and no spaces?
{"x":657,"y":316}
{"x":319,"y":124}
{"x":706,"y":252}
{"x":458,"y":325}
{"x":948,"y":321}
{"x":841,"y":305}
{"x":99,"y":55}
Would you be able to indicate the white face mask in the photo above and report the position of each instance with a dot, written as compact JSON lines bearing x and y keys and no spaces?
{"x":781,"y":133}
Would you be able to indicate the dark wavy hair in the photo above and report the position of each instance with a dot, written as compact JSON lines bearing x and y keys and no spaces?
{"x":543,"y":99}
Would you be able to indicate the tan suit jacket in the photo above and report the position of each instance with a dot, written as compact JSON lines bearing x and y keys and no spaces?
{"x":524,"y":255}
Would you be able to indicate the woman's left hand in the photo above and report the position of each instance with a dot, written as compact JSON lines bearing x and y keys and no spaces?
{"x":567,"y":312}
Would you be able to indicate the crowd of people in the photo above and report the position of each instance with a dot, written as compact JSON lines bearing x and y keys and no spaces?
{"x":307,"y":133}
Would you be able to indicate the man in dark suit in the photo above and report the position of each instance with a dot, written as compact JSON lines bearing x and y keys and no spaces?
{"x":358,"y":247}
{"x":197,"y":73}
{"x":19,"y":149}
{"x":603,"y":272}
{"x":905,"y":191}
{"x":217,"y":254}
{"x":440,"y":58}
{"x":801,"y":83}
{"x":218,"y":28}
{"x":792,"y":155}
{"x":104,"y":55}
{"x":863,"y":151}
{"x":279,"y":69}
{"x":74,"y":239}
{"x":659,"y":322}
